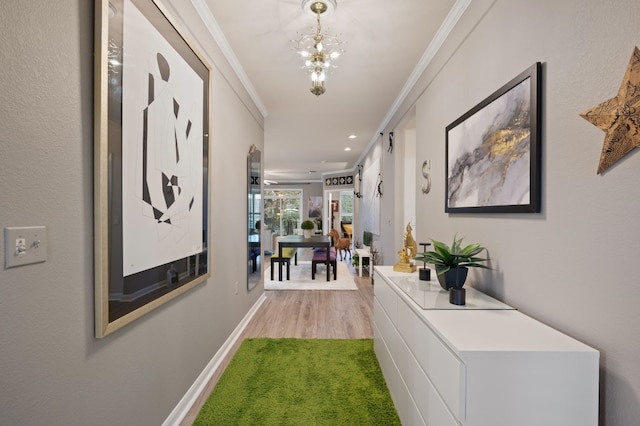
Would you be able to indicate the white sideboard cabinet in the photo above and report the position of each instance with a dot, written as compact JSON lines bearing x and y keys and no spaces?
{"x":481,"y":364}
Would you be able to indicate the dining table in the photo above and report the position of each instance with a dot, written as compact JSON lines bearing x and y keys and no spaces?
{"x":299,"y":241}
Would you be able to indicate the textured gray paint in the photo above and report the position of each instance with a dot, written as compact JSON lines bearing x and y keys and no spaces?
{"x":52,"y":370}
{"x":573,"y":266}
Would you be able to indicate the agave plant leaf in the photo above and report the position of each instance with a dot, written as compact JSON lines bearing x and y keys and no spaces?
{"x":476,"y":259}
{"x":475,"y":263}
{"x":433,"y":257}
{"x":441,"y":248}
{"x":444,"y":257}
{"x":442,"y":269}
{"x":455,"y":245}
{"x":472,"y":249}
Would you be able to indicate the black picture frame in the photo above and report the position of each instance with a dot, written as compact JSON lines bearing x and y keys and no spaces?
{"x":493,"y":152}
{"x":151,"y":162}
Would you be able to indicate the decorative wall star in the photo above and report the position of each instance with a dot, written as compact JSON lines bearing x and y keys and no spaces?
{"x":619,"y":117}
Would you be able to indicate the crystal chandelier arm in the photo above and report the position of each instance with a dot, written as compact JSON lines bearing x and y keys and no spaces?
{"x":317,"y":49}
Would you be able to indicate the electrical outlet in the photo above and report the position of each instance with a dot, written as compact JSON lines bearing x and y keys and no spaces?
{"x":24,"y":245}
{"x":235,"y":287}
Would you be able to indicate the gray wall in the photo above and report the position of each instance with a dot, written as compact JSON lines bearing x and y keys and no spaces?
{"x":52,"y":369}
{"x":313,"y":189}
{"x":573,"y":266}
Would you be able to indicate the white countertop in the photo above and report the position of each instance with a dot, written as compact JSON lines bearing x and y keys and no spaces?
{"x":474,"y":333}
{"x":430,"y":295}
{"x":484,"y":324}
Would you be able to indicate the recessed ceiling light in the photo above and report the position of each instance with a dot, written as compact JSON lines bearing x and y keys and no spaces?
{"x":347,"y":149}
{"x":352,"y":136}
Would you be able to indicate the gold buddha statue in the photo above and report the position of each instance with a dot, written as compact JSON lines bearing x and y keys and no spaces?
{"x":407,"y":252}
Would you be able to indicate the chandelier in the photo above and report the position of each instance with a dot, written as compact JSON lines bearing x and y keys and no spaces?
{"x":318,"y":50}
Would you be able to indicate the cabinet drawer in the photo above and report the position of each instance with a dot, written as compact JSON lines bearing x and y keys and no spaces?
{"x":384,"y":326}
{"x":426,"y":398}
{"x":442,"y":367}
{"x":386,"y":296}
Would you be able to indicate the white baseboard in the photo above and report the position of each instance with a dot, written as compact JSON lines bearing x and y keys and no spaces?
{"x":182,"y":409}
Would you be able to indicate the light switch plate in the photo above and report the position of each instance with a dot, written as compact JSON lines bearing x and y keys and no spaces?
{"x":24,"y":245}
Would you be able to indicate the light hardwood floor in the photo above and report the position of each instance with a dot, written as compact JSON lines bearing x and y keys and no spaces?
{"x":305,"y":314}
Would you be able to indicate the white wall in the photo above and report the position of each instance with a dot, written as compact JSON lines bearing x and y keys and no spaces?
{"x":382,"y":239}
{"x":572,"y":266}
{"x":409,"y":172}
{"x":52,"y":369}
{"x":404,"y":158}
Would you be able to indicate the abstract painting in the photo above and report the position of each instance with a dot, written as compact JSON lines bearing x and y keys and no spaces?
{"x":151,"y":214}
{"x":162,"y":149}
{"x":493,"y":151}
{"x":315,"y":206}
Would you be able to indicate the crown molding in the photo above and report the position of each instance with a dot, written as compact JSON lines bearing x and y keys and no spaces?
{"x":217,"y":34}
{"x":434,"y":46}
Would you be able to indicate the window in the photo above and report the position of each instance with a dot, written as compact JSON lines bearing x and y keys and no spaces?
{"x":254,"y":212}
{"x":282,"y":210}
{"x":346,"y":206}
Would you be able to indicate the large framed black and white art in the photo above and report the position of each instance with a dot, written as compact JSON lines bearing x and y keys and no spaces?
{"x":493,"y":152}
{"x":151,"y":162}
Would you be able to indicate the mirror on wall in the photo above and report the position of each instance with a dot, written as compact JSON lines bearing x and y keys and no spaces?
{"x":254,"y":222}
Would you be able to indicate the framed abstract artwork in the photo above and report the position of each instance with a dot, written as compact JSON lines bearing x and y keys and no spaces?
{"x":151,"y":163}
{"x":493,"y":152}
{"x":315,"y":206}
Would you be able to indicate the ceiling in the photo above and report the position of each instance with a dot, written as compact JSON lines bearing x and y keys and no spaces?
{"x":387,"y":44}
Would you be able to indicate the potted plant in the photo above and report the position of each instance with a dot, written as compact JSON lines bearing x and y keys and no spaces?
{"x":307,"y":227}
{"x":452,"y":263}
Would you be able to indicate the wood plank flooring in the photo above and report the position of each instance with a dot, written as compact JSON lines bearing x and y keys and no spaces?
{"x":305,"y":314}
